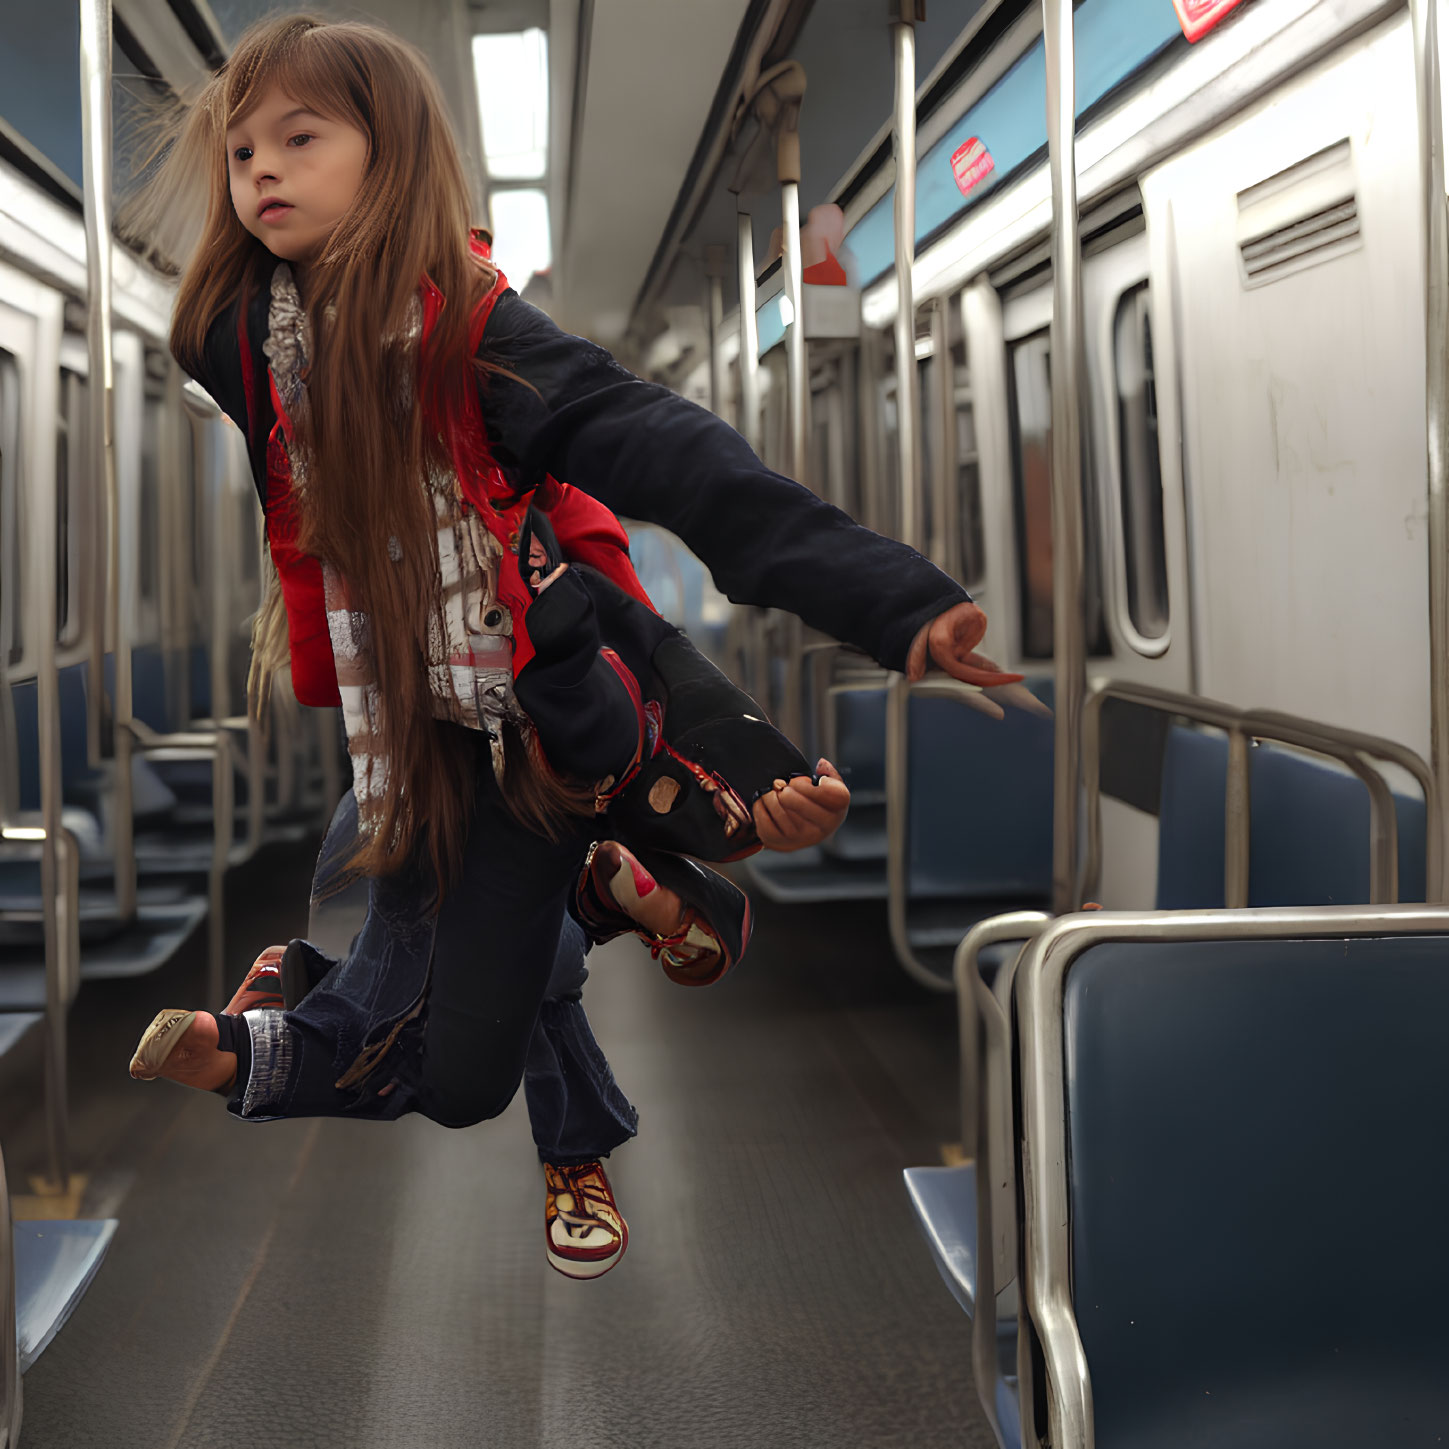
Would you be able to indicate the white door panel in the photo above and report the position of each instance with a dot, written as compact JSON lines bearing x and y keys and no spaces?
{"x":1302,"y":398}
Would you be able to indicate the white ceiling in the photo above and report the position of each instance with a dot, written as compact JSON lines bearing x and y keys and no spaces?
{"x":653,"y":69}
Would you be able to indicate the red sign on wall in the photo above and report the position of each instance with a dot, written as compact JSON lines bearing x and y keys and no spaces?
{"x":971,"y":165}
{"x":1199,"y":16}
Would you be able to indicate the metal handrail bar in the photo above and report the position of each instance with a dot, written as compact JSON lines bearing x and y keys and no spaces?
{"x":1337,"y":742}
{"x":11,"y":1402}
{"x":1201,"y":711}
{"x":987,"y":1097}
{"x":897,"y":776}
{"x":95,"y":51}
{"x":1436,"y":285}
{"x":904,"y":14}
{"x":1349,"y":747}
{"x":1068,"y":613}
{"x":215,"y":745}
{"x":749,"y":421}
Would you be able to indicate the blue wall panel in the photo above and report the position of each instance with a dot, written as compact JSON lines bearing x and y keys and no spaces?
{"x":1114,"y":38}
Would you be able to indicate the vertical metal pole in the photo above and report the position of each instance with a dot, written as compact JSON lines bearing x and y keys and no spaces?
{"x":1436,"y":260}
{"x":797,"y":367}
{"x":95,"y":60}
{"x":792,"y":711}
{"x":1066,"y":351}
{"x":1238,"y":820}
{"x":10,"y":1390}
{"x":904,"y":14}
{"x":749,"y":336}
{"x":714,"y":270}
{"x":945,"y":511}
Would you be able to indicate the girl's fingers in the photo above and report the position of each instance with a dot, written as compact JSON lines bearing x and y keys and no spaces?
{"x":806,"y":813}
{"x":770,"y":819}
{"x":983,"y":704}
{"x":1020,"y":697}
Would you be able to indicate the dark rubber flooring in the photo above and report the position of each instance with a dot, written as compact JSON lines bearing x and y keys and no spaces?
{"x":367,"y":1286}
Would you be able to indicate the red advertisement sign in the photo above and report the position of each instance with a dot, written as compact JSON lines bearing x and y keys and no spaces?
{"x":1199,"y":16}
{"x":971,"y":165}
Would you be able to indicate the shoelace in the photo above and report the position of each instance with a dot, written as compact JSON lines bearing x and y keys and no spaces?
{"x":585,"y":1195}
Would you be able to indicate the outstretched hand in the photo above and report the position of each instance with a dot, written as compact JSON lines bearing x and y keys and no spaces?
{"x":949,"y":641}
{"x":799,"y":813}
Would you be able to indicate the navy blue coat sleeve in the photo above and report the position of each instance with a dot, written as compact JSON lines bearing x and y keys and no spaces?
{"x":645,"y":452}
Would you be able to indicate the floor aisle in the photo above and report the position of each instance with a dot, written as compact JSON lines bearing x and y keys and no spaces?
{"x":358,"y":1286}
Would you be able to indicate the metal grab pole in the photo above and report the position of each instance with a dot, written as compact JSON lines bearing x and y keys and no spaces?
{"x":1066,"y":352}
{"x":95,"y":60}
{"x":904,"y":14}
{"x":796,"y":366}
{"x":714,"y":271}
{"x":749,"y":337}
{"x":1436,"y":279}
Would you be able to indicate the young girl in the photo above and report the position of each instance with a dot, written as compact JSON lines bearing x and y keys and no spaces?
{"x":403,"y":408}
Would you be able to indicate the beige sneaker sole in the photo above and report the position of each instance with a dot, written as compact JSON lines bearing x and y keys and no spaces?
{"x":157,"y":1043}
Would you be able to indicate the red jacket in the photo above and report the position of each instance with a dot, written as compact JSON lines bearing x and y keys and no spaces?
{"x":587,"y":532}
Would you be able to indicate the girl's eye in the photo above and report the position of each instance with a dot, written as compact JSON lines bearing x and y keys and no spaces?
{"x":300,"y":140}
{"x":243,"y":153}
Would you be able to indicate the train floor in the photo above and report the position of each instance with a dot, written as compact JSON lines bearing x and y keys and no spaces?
{"x":350,"y":1285}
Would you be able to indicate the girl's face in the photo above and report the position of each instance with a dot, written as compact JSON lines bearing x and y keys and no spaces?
{"x":294,"y":175}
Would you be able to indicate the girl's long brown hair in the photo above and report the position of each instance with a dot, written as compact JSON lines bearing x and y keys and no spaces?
{"x":367,"y":455}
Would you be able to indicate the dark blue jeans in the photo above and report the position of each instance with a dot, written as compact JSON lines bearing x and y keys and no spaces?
{"x":445,"y":1014}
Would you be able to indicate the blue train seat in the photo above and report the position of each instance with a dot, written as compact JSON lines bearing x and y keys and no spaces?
{"x":860,"y":744}
{"x":54,"y":1264}
{"x":1309,"y":843}
{"x":1257,"y":1166}
{"x":979,"y":819}
{"x":851,"y":865}
{"x":944,"y":1199}
{"x":166,"y":913}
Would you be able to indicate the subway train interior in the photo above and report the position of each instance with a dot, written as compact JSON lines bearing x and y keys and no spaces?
{"x":1090,"y":1084}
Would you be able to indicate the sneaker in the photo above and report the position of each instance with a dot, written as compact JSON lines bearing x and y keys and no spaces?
{"x":697,"y":925}
{"x":263,"y":984}
{"x":584,"y":1232}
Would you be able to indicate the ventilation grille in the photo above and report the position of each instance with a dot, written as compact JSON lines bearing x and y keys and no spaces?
{"x":1315,"y":238}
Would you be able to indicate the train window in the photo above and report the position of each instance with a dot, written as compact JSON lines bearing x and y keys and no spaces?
{"x":69,"y":456}
{"x":1144,"y":549}
{"x":11,"y":570}
{"x":149,"y":522}
{"x":1030,"y":385}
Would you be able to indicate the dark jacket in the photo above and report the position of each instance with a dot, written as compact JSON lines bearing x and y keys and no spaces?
{"x":643,"y":452}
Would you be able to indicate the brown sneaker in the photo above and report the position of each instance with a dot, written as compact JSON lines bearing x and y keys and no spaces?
{"x":584,"y":1232}
{"x":263,"y":984}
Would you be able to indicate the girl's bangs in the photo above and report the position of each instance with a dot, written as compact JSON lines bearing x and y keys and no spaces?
{"x":299,"y":63}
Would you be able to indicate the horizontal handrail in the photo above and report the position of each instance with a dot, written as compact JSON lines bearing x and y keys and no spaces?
{"x":1379,"y":748}
{"x":1202,"y":711}
{"x":1350,"y":747}
{"x":897,"y":768}
{"x":215,"y":745}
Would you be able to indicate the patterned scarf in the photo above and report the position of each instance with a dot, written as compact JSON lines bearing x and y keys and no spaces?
{"x":470,"y":629}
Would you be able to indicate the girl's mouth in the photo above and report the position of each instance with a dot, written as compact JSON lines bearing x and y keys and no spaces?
{"x":275,"y":211}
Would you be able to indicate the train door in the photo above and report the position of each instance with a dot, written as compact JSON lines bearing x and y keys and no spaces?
{"x":1293,"y":237}
{"x":30,"y":331}
{"x":1135,"y":557}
